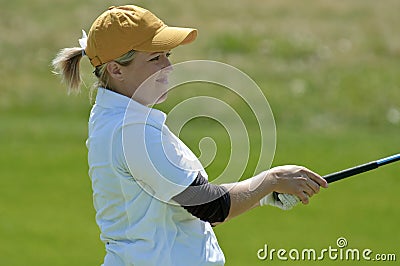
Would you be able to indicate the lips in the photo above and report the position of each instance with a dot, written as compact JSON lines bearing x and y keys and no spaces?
{"x":162,"y":79}
{"x":162,"y":75}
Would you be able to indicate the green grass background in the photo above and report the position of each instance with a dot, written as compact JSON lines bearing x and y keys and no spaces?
{"x":329,"y":69}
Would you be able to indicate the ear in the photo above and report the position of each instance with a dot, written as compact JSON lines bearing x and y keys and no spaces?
{"x":114,"y":70}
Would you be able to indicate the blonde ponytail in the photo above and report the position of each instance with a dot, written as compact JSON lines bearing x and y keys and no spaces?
{"x":66,"y":64}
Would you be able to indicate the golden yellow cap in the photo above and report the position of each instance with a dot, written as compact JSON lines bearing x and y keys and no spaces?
{"x":124,"y":28}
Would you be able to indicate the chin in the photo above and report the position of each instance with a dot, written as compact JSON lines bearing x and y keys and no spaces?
{"x":162,"y":98}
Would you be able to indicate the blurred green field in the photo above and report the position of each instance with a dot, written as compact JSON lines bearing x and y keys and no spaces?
{"x":329,"y":69}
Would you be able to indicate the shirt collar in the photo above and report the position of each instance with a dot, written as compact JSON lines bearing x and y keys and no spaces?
{"x":110,"y":99}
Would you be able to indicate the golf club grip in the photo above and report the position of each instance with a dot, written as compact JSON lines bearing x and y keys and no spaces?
{"x":350,"y":172}
{"x":330,"y":178}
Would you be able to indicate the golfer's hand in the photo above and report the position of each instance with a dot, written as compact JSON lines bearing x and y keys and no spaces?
{"x":296,"y":180}
{"x":271,"y":200}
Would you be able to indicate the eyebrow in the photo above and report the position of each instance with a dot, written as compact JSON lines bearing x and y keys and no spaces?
{"x":160,"y":52}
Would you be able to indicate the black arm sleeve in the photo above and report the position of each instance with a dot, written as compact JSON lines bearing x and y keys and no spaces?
{"x":208,"y":202}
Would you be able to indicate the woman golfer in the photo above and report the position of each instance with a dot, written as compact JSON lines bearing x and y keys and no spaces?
{"x":154,"y":205}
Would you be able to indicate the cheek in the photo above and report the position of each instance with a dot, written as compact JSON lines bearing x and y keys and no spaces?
{"x":146,"y":72}
{"x":140,"y":73}
{"x":136,"y":78}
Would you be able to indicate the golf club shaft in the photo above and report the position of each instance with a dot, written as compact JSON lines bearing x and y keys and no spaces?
{"x":360,"y":168}
{"x":356,"y":170}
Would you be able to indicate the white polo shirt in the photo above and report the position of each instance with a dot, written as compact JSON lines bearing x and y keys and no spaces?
{"x":136,"y":166}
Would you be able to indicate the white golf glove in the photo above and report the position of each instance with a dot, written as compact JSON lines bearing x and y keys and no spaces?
{"x":288,"y":200}
{"x":285,"y":202}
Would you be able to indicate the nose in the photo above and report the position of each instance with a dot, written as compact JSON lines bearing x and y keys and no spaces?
{"x":168,"y":66}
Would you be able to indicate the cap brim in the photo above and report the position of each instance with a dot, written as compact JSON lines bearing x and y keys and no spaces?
{"x":168,"y":38}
